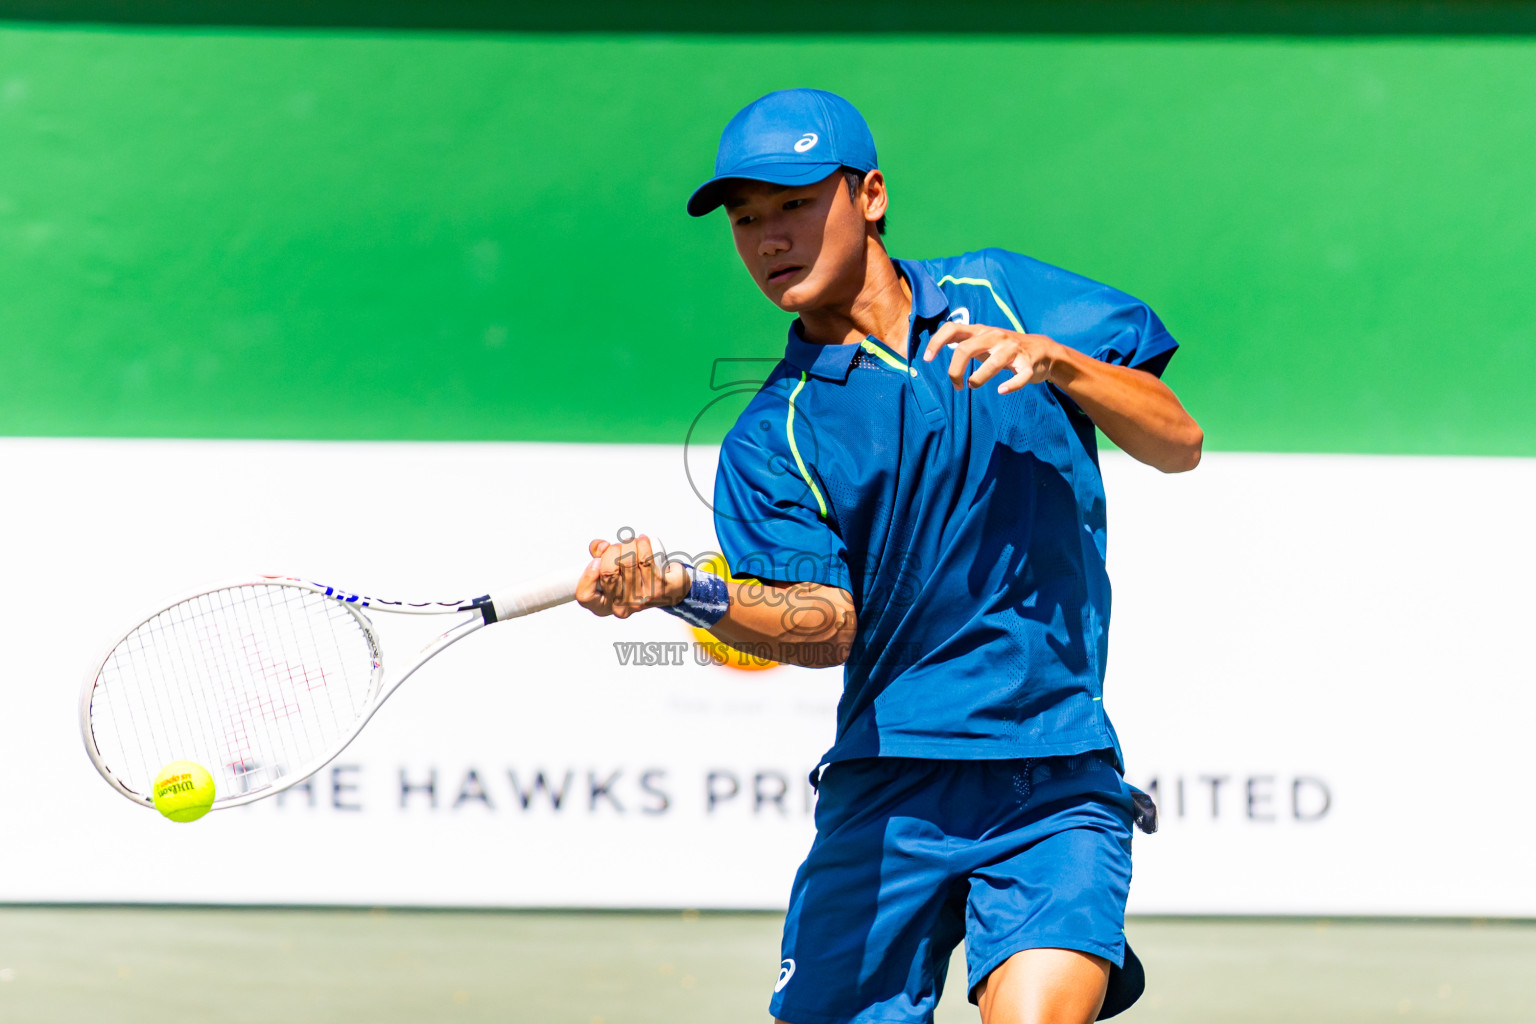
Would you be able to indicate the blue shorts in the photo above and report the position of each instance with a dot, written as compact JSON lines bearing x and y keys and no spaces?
{"x":911,"y":856}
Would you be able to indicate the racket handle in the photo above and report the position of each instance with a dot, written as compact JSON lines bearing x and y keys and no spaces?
{"x":545,"y":592}
{"x":535,"y":596}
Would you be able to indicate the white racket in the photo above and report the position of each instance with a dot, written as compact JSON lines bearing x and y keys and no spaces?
{"x":263,"y":682}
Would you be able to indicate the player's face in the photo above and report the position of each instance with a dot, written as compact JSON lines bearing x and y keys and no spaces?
{"x":803,"y":245}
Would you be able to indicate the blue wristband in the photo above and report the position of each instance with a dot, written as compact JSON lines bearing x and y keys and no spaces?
{"x":707,"y":602}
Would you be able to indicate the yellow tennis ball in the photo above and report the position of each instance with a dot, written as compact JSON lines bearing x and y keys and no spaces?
{"x":183,"y":791}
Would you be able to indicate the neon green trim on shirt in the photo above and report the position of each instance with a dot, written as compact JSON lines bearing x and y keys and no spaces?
{"x":789,"y":430}
{"x":881,"y":354}
{"x":984,"y":283}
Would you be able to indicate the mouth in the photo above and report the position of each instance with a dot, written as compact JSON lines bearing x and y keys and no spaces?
{"x":782,"y":275}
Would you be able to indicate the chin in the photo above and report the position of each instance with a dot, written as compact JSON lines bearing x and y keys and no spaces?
{"x":798,"y":297}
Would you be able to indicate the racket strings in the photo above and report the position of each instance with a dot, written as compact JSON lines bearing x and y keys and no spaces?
{"x":253,"y":682}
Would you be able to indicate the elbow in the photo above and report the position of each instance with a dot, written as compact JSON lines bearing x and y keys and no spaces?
{"x":832,"y":648}
{"x":831,"y":653}
{"x":1186,"y":455}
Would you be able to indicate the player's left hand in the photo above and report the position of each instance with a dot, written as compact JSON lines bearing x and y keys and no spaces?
{"x":1029,"y":356}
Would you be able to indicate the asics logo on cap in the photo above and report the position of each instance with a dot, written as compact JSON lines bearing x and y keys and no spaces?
{"x":787,"y":968}
{"x":777,"y":138}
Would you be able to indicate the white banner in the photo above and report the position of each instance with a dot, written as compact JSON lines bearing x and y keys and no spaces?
{"x":1319,"y":665}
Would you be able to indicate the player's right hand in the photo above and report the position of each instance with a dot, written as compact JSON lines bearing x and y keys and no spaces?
{"x":628,"y":576}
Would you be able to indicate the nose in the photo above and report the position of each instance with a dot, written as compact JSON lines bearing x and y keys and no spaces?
{"x":773,"y":241}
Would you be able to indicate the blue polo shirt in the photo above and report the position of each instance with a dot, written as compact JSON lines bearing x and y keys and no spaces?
{"x":968,"y":526}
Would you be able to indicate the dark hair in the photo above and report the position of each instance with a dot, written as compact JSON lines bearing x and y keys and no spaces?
{"x":855,"y":180}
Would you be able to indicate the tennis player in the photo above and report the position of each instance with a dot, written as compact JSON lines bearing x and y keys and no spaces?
{"x":915,"y":494}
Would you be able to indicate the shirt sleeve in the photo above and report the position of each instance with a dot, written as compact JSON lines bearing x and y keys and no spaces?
{"x":772,"y":517}
{"x":1093,"y":318}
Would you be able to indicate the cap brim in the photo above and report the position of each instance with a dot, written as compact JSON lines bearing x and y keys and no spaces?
{"x":712,"y":193}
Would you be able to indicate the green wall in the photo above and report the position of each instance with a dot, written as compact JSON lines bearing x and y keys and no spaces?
{"x":299,"y":233}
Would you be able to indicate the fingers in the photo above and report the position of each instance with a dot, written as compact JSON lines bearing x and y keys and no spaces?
{"x":947,"y":334}
{"x":1024,"y":373}
{"x":611,"y":576}
{"x":999,"y":359}
{"x":589,"y":589}
{"x":626,"y":577}
{"x":964,"y":352}
{"x":1028,"y":355}
{"x":1031,"y":365}
{"x":640,"y":582}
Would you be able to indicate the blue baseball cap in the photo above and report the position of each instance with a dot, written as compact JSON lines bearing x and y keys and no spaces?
{"x":790,"y":137}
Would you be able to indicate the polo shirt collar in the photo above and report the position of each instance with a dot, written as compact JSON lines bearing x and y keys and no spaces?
{"x":831,"y":362}
{"x":928,"y":301}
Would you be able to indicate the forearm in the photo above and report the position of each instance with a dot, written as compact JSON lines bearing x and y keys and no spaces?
{"x":1136,"y":411}
{"x":798,"y":624}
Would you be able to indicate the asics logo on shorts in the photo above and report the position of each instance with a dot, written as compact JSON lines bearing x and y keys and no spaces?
{"x":807,"y":140}
{"x":786,"y":971}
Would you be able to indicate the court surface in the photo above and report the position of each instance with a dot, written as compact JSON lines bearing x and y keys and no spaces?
{"x":163,"y":965}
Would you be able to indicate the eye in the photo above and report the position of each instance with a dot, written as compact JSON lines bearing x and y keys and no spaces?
{"x":743,"y":220}
{"x":795,"y":204}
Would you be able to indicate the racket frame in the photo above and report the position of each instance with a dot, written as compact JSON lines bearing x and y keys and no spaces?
{"x":547,"y":592}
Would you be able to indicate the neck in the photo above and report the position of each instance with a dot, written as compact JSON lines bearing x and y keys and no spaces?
{"x":880,"y":306}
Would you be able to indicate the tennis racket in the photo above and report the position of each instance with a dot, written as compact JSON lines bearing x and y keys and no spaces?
{"x":263,"y":682}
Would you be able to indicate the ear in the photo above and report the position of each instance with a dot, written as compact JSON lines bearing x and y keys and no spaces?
{"x":874,"y":195}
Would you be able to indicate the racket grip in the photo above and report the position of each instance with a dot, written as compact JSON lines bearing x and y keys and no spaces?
{"x":545,"y":592}
{"x":535,"y":596}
